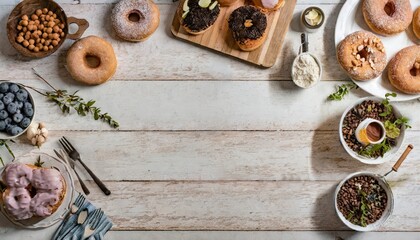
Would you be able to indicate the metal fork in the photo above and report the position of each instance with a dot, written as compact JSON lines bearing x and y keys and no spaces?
{"x":92,"y":225}
{"x":74,"y":154}
{"x":71,"y":162}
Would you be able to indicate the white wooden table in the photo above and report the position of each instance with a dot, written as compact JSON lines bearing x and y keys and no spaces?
{"x":210,"y":147}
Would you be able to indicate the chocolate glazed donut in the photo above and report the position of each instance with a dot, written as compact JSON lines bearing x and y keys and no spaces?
{"x":248,"y":25}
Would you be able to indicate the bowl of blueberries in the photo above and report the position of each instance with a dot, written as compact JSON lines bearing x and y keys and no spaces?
{"x":16,"y":110}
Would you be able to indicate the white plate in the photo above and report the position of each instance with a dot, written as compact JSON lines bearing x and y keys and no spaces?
{"x":351,"y":20}
{"x":49,"y":161}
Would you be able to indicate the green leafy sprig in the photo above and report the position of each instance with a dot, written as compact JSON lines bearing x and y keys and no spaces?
{"x":376,"y":149}
{"x":38,"y":162}
{"x":4,"y":143}
{"x":342,"y":90}
{"x":387,"y":105}
{"x":66,"y":102}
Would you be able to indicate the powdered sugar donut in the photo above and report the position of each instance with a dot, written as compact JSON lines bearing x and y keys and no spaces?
{"x":135,"y":20}
{"x":387,"y":17}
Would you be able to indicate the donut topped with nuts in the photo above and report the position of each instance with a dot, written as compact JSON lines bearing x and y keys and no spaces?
{"x":41,"y":31}
{"x":362,"y":55}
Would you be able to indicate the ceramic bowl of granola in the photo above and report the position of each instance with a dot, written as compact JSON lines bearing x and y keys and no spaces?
{"x":375,"y":109}
{"x":363,"y":201}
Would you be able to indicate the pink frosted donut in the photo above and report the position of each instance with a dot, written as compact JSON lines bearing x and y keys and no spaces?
{"x":18,"y":175}
{"x":135,"y":20}
{"x":17,"y":201}
{"x":32,"y":191}
{"x":387,"y":17}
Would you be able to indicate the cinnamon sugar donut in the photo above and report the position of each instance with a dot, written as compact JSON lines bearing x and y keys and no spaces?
{"x":387,"y":17}
{"x":135,"y":20}
{"x":404,"y":70}
{"x":416,"y":23}
{"x":91,"y":60}
{"x":362,"y":55}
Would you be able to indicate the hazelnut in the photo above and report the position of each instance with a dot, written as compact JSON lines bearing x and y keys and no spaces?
{"x":49,"y":30}
{"x":50,"y":47}
{"x":54,"y":42}
{"x":31,"y":47}
{"x":19,"y":27}
{"x":38,"y":12}
{"x":31,"y":42}
{"x":56,"y":28}
{"x":50,"y":13}
{"x":25,"y":17}
{"x":20,"y":39}
{"x":45,"y":10}
{"x":24,"y":23}
{"x":45,"y":48}
{"x":51,"y":24}
{"x":25,"y":43}
{"x":34,"y":17}
{"x":36,"y":49}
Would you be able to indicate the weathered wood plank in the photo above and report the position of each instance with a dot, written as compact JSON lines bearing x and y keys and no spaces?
{"x":207,"y":105}
{"x":164,"y":58}
{"x":240,"y":205}
{"x":15,"y":234}
{"x":248,"y":156}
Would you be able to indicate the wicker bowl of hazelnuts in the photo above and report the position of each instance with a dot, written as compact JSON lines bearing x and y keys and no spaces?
{"x":37,"y":28}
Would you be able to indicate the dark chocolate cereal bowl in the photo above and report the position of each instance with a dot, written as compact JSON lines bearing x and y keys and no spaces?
{"x":372,"y":108}
{"x":363,"y":201}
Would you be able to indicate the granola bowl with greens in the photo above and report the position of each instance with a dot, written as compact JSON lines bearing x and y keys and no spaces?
{"x":363,"y":201}
{"x":377,"y":109}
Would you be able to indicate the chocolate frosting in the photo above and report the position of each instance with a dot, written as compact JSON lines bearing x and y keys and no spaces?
{"x":200,"y":18}
{"x":237,"y":23}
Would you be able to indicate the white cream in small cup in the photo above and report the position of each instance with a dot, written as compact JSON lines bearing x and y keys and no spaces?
{"x":370,"y":131}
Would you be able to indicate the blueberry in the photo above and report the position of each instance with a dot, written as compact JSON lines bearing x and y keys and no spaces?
{"x":12,"y":108}
{"x":2,"y":125}
{"x":8,"y":121}
{"x":8,"y":99}
{"x":3,"y":114}
{"x":19,"y":104}
{"x":27,"y":105}
{"x":1,"y":105}
{"x":4,"y":87}
{"x":13,"y":88}
{"x":25,"y":122}
{"x":17,"y":118}
{"x":9,"y":128}
{"x":16,"y":130}
{"x":22,"y":95}
{"x":28,"y":111}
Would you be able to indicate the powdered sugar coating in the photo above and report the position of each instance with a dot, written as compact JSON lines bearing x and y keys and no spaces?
{"x":380,"y":22}
{"x":134,"y":30}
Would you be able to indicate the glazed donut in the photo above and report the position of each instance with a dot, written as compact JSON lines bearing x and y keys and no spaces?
{"x":248,"y":25}
{"x":416,"y":23}
{"x":39,"y":192}
{"x":20,"y":175}
{"x":196,"y":19}
{"x":404,"y":70}
{"x":362,"y":55}
{"x":387,"y":17}
{"x":95,"y":72}
{"x":135,"y":20}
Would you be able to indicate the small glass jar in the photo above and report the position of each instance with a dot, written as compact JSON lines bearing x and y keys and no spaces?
{"x":312,"y":19}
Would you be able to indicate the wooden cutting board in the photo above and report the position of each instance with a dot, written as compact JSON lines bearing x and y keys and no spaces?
{"x":219,"y":37}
